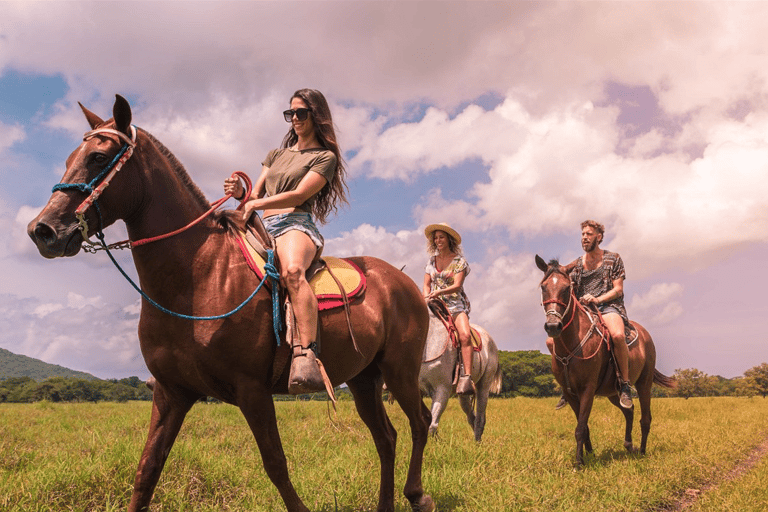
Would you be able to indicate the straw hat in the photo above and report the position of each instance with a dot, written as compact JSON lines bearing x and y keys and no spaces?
{"x":442,"y":227}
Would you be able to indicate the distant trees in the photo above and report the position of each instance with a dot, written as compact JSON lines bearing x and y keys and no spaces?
{"x":755,"y":381}
{"x":527,"y":373}
{"x":694,"y":383}
{"x":67,"y":389}
{"x":524,"y":373}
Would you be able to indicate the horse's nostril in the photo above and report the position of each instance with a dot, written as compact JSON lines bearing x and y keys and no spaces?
{"x":44,"y":233}
{"x":553,"y":327}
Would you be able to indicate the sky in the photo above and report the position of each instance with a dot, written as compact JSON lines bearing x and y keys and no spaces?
{"x":511,"y":121}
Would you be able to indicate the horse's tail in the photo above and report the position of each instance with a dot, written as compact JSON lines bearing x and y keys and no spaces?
{"x":662,"y":380}
{"x":496,"y":382}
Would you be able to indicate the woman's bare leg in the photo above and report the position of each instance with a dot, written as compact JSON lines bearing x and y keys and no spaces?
{"x":296,"y":252}
{"x":464,"y":386}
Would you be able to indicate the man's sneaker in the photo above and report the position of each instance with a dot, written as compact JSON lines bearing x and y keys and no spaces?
{"x":562,"y":403}
{"x":625,"y":396}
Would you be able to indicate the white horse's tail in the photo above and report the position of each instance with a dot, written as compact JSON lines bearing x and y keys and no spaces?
{"x":496,"y":382}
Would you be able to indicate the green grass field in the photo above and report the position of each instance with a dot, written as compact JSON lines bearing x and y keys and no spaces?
{"x":82,"y":457}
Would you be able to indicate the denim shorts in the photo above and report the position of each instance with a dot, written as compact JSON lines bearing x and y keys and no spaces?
{"x":281,"y":223}
{"x":608,"y":309}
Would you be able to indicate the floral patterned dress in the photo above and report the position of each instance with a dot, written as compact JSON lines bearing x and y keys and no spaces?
{"x":457,"y":302}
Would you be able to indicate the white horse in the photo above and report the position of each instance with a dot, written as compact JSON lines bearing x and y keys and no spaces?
{"x":437,"y":370}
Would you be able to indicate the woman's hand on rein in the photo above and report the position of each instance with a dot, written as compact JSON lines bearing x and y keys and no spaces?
{"x":233,"y":187}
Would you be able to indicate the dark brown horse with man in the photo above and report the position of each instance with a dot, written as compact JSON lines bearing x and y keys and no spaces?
{"x":582,"y":359}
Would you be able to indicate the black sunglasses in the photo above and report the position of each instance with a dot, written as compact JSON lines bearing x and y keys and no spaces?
{"x":300,"y":113}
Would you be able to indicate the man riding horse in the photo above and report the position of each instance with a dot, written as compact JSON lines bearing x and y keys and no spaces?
{"x":598,"y":279}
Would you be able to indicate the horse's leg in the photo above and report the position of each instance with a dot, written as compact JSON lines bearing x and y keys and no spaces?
{"x":468,"y":406}
{"x":440,"y":396}
{"x":629,"y":418}
{"x":403,"y":382}
{"x":259,"y":411}
{"x":168,"y":413}
{"x":643,"y":387}
{"x":366,"y":390}
{"x":586,"y":400}
{"x":481,"y":403}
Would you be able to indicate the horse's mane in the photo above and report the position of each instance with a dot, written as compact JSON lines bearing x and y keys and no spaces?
{"x":178,"y":168}
{"x":553,"y":266}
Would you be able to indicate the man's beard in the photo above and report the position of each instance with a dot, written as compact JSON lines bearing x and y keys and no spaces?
{"x":589,"y":246}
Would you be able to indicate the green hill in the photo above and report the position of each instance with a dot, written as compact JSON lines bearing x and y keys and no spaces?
{"x":15,"y":365}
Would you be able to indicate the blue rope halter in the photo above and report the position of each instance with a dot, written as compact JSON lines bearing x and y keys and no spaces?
{"x":270,"y":270}
{"x":88,"y":187}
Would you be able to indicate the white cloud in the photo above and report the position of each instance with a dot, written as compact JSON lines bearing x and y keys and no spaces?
{"x":404,"y":249}
{"x":659,"y":306}
{"x":565,"y":169}
{"x":10,"y":135}
{"x":83,"y":333}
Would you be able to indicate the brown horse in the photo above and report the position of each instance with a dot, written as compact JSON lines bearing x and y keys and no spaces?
{"x":582,"y":362}
{"x":201,"y":272}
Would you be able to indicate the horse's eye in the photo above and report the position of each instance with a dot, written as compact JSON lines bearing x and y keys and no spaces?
{"x":98,"y":158}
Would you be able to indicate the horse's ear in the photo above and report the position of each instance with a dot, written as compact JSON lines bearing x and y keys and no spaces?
{"x":569,"y":267}
{"x":541,"y":263}
{"x":122,"y":114}
{"x":92,"y":118}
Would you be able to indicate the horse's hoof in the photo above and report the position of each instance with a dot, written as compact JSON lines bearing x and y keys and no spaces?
{"x":425,"y":504}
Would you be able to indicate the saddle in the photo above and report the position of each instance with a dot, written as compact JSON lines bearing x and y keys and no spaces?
{"x":630,"y":332}
{"x":334,"y":281}
{"x":630,"y":336}
{"x":440,"y":310}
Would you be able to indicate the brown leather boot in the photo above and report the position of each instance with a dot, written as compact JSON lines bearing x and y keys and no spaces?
{"x":305,"y":376}
{"x":465,"y":386}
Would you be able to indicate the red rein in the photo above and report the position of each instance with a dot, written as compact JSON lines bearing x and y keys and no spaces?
{"x":214,"y":206}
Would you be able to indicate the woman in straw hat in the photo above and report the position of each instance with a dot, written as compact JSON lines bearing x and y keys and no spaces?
{"x":444,"y":279}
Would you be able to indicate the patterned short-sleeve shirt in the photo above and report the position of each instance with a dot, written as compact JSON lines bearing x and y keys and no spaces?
{"x":457,"y":302}
{"x":600,"y":280}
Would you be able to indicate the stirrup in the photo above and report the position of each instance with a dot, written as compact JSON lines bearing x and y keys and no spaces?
{"x":625,"y":396}
{"x":305,"y":375}
{"x":465,"y":386}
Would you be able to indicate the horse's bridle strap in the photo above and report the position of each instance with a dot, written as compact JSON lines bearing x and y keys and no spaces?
{"x":131,"y":141}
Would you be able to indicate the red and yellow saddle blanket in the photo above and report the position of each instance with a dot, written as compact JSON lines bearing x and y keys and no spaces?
{"x":349,"y":276}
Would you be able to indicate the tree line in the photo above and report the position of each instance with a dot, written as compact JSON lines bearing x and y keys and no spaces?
{"x":69,"y":389}
{"x":524,"y":373}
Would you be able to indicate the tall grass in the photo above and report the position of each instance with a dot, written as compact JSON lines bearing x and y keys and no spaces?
{"x":82,"y":457}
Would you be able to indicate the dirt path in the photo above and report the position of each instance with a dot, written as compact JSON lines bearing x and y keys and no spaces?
{"x":692,"y":495}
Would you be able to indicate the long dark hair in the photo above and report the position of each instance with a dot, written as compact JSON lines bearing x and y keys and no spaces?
{"x":335,"y":191}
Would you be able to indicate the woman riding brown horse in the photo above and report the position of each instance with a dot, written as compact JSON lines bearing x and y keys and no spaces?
{"x":582,"y":362}
{"x":200,"y":271}
{"x":299,"y":183}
